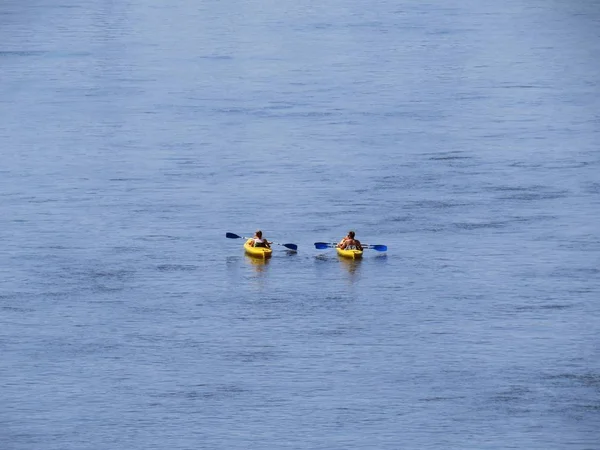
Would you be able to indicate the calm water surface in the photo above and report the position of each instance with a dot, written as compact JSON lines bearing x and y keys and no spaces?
{"x":463,"y":135}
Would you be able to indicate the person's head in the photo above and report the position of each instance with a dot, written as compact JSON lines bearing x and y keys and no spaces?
{"x":351,"y":234}
{"x":258,"y":233}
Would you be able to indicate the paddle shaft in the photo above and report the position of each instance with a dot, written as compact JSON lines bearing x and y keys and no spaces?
{"x":236,"y":236}
{"x":377,"y":247}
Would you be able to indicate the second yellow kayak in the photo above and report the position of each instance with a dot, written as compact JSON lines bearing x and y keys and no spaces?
{"x":349,"y":253}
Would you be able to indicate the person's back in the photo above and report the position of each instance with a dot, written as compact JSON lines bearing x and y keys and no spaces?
{"x":356,"y":244}
{"x":258,"y":240}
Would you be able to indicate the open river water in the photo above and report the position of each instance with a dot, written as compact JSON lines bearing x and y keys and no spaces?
{"x":462,"y":134}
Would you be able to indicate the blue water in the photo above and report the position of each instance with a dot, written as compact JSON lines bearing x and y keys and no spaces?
{"x":462,"y":135}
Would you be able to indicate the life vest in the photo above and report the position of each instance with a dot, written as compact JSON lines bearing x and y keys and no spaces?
{"x":259,"y":242}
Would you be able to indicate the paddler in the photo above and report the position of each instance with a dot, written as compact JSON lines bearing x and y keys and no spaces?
{"x":259,"y":241}
{"x":349,"y":242}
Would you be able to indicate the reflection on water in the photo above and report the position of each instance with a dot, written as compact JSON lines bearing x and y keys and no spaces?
{"x":352,"y":266}
{"x":380,"y":259}
{"x":259,"y":264}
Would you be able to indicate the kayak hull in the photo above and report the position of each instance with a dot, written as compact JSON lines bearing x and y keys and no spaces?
{"x":349,"y":253}
{"x":257,"y":252}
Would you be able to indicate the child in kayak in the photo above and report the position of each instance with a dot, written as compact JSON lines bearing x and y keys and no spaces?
{"x":259,"y":241}
{"x":349,"y":242}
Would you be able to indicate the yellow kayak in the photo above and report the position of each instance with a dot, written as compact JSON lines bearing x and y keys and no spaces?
{"x":258,"y":252}
{"x":349,"y":253}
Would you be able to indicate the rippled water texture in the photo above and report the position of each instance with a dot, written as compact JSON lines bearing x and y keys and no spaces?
{"x":462,"y":135}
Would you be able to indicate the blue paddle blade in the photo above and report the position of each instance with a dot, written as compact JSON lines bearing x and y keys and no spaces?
{"x":322,"y":245}
{"x":232,"y":236}
{"x":379,"y":248}
{"x":291,"y":246}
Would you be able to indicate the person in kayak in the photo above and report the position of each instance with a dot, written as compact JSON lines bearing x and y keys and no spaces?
{"x":259,"y":241}
{"x":349,"y":242}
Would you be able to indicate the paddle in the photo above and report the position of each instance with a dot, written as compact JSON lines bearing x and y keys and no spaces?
{"x":324,"y":245}
{"x":235,"y":236}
